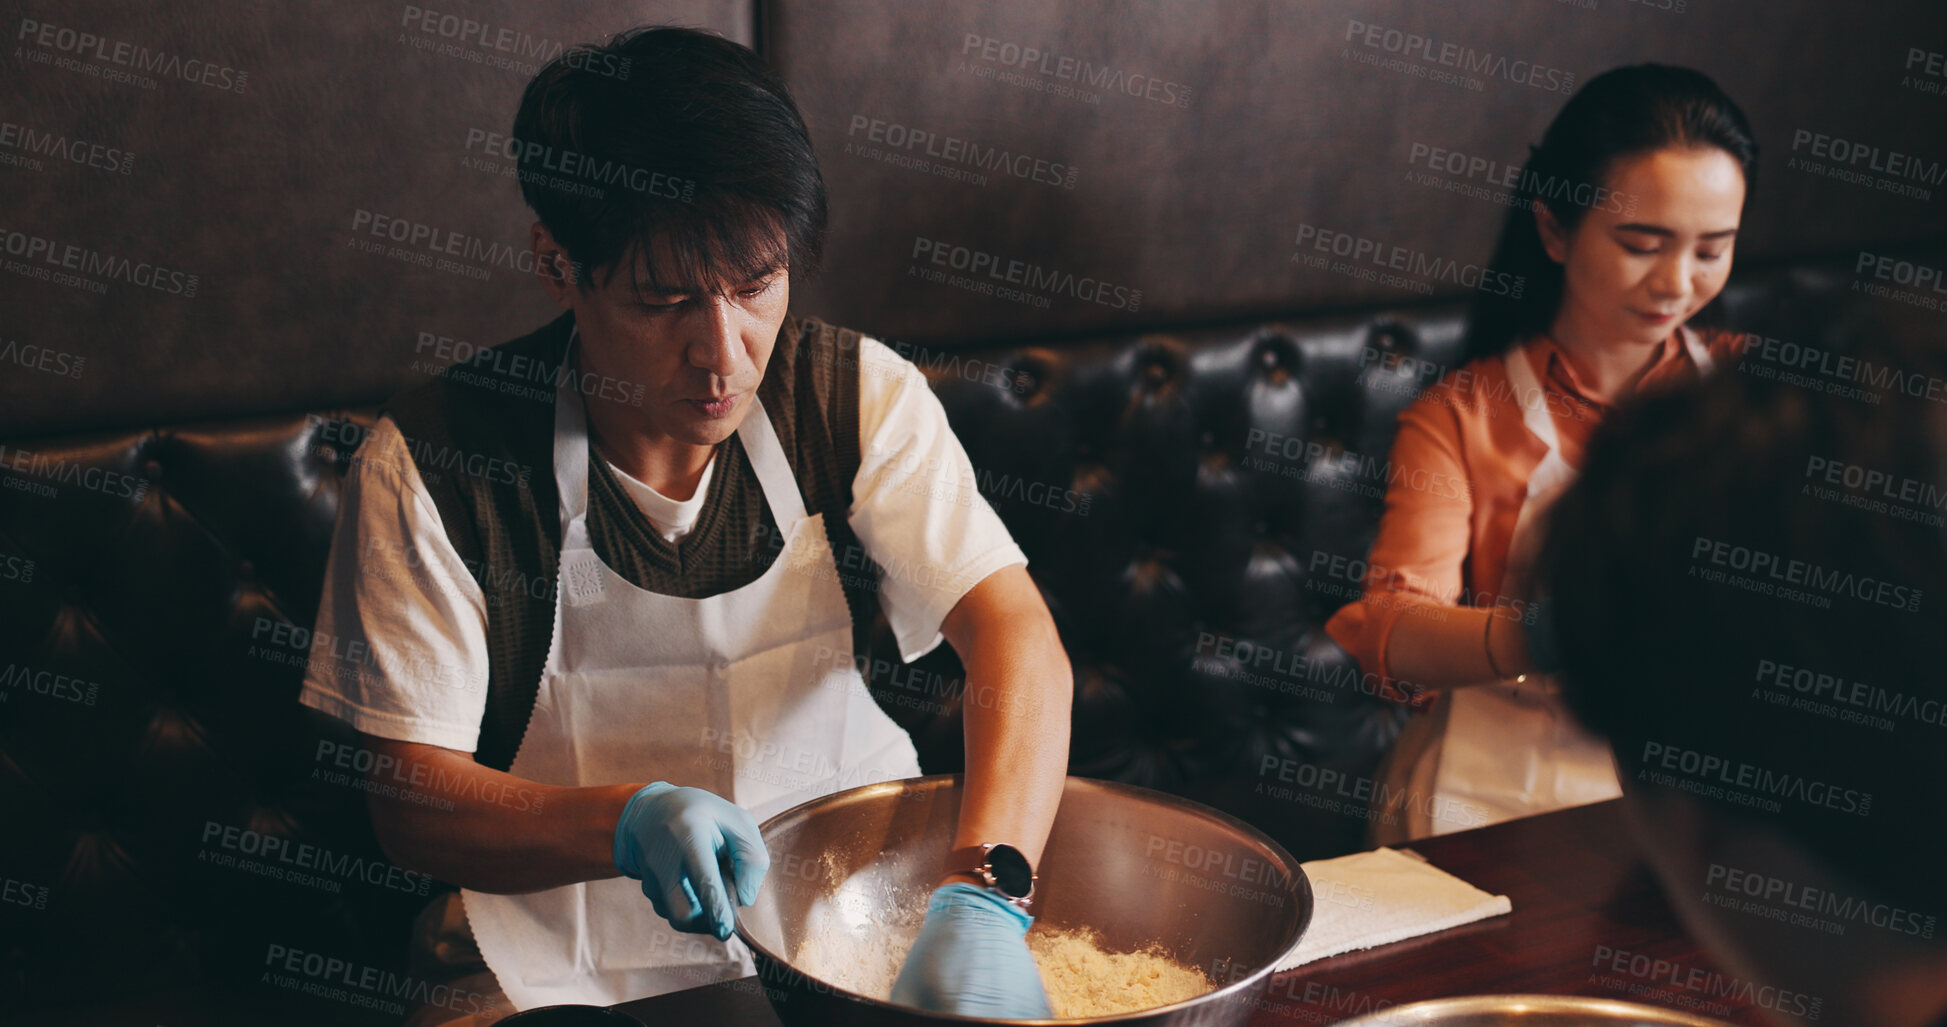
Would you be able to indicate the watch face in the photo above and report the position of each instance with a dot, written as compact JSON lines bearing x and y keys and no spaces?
{"x":1010,"y":870}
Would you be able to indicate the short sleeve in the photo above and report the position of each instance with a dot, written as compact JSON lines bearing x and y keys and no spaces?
{"x":400,"y":646}
{"x":915,"y":502}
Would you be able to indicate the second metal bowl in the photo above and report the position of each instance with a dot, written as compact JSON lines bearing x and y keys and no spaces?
{"x":1529,"y":1011}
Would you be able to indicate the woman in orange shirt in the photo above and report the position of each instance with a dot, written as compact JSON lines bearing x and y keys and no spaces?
{"x":1630,"y":210}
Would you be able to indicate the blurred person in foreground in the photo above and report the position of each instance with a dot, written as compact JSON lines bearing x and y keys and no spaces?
{"x":1749,"y":579}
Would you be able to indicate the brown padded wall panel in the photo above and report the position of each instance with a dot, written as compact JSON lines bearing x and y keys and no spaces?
{"x":244,"y":158}
{"x":1285,"y":115}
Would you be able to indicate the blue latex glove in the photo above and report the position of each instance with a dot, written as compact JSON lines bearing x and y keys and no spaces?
{"x":972,"y":958}
{"x":677,"y":842}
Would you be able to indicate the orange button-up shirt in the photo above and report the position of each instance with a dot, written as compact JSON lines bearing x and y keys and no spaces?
{"x":1450,"y":546}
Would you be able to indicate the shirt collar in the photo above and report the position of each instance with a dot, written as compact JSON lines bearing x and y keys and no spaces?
{"x":1559,"y":368}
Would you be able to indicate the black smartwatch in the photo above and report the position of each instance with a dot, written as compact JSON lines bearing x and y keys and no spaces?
{"x":1000,"y":867}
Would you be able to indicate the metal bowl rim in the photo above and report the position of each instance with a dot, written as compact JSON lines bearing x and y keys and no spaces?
{"x":1497,"y":1003}
{"x":1299,"y":878}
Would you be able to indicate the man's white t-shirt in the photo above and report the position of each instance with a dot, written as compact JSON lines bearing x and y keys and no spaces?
{"x":400,"y":648}
{"x":672,"y":518}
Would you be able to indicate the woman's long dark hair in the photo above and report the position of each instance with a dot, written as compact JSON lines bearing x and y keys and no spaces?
{"x":1625,"y":111}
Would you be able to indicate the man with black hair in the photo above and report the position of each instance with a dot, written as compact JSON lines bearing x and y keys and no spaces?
{"x":598,"y":673}
{"x":1747,"y":580}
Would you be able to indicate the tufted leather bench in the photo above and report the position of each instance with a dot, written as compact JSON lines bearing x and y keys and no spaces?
{"x":1190,"y":504}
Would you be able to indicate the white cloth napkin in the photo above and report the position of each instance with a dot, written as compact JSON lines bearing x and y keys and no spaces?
{"x":1374,"y":898}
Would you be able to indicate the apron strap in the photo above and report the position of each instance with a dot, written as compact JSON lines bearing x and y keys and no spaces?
{"x":1699,"y":353}
{"x":1528,"y":392}
{"x":570,"y":441}
{"x":766,"y":454}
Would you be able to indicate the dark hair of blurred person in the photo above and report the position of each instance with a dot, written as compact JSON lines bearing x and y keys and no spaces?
{"x":1826,"y":704}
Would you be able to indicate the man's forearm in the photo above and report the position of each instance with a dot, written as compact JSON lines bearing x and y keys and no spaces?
{"x":442,"y":814}
{"x":1016,"y":711}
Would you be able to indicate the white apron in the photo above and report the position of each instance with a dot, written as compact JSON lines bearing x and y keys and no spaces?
{"x":752,"y":694}
{"x":1514,"y":750}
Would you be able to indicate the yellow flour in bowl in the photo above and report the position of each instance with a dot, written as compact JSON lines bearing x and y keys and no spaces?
{"x":1083,"y":979}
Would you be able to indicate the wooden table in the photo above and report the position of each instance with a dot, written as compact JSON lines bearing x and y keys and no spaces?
{"x":1585,"y":906}
{"x":1584,"y":901}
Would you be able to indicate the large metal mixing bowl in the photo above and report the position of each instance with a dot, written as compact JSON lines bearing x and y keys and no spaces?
{"x":1529,"y":1011}
{"x":851,"y":872}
